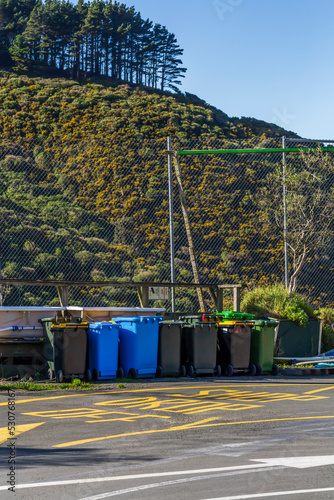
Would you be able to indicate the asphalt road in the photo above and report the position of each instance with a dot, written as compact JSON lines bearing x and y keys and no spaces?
{"x":196,"y":439}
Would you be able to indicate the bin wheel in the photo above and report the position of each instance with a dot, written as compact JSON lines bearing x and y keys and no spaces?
{"x":132,"y":373}
{"x":159,"y":372}
{"x":274,"y":370}
{"x":88,"y":376}
{"x":95,"y":375}
{"x":183,"y":371}
{"x":51,"y":374}
{"x":229,"y":371}
{"x":120,"y":373}
{"x":72,"y":377}
{"x":60,"y":376}
{"x":191,"y":371}
{"x":219,"y":371}
{"x":252,"y":370}
{"x":258,"y":369}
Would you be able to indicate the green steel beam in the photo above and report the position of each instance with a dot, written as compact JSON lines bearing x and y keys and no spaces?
{"x":244,"y":151}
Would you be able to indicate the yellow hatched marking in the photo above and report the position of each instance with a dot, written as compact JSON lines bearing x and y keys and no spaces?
{"x":153,"y":389}
{"x":202,"y":423}
{"x":75,"y":413}
{"x":171,"y":429}
{"x":181,"y":405}
{"x":133,"y":418}
{"x":19,"y":429}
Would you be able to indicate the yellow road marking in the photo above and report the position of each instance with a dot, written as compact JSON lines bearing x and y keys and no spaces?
{"x":152,"y":389}
{"x":19,"y":429}
{"x":199,"y":424}
{"x":73,"y":413}
{"x":170,"y":429}
{"x":319,"y":390}
{"x":133,"y":418}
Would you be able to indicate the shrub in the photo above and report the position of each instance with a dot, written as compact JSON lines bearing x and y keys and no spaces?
{"x":276,"y":302}
{"x":327,"y":316}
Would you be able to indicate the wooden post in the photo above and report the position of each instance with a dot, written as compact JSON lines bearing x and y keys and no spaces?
{"x":188,"y":230}
{"x":220,"y":299}
{"x":63,"y":295}
{"x":140,"y":297}
{"x":236,"y":298}
{"x":144,"y":294}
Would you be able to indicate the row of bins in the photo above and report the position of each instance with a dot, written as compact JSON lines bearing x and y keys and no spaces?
{"x":144,"y":347}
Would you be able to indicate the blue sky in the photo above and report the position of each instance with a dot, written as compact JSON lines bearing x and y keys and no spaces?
{"x":267,"y":59}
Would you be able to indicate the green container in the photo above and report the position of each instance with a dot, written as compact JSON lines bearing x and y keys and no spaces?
{"x":262,"y":346}
{"x":48,"y":341}
{"x":235,"y":316}
{"x":48,"y":346}
{"x":297,"y":341}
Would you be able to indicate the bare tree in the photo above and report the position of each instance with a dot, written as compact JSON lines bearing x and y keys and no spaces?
{"x":309,"y":182}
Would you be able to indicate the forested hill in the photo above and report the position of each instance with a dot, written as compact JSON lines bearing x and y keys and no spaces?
{"x":37,"y":107}
{"x":100,"y":37}
{"x":83,"y":191}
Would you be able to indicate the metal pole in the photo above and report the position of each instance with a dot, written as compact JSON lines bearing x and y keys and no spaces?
{"x":171,"y":221}
{"x":285,"y":232}
{"x":0,"y":287}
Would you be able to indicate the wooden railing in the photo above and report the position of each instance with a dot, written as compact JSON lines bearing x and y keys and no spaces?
{"x":216,"y":291}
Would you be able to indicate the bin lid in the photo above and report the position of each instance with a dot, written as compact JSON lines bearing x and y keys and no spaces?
{"x":227,"y":323}
{"x":235,"y":315}
{"x":62,"y":326}
{"x":171,"y":322}
{"x":102,"y":324}
{"x":266,"y":322}
{"x":137,"y":319}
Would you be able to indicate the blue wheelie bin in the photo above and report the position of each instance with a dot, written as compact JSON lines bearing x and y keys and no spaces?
{"x":103,"y":341}
{"x":138,"y":346}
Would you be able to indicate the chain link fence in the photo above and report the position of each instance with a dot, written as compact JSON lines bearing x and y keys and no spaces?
{"x":97,"y":209}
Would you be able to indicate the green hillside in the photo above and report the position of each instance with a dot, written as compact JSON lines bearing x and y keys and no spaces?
{"x":84,"y":187}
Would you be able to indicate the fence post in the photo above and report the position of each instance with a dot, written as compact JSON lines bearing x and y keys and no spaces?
{"x":171,"y":220}
{"x":220,"y":299}
{"x":285,"y":231}
{"x":236,"y":298}
{"x":63,"y":295}
{"x":144,"y":295}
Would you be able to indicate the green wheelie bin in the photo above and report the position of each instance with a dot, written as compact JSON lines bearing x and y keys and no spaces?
{"x":262,"y":346}
{"x":48,"y":347}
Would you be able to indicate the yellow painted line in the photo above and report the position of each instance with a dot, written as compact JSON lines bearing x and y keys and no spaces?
{"x":19,"y":429}
{"x":170,"y":429}
{"x":319,"y":390}
{"x":195,"y":425}
{"x":153,"y":389}
{"x":133,"y":418}
{"x":268,"y":420}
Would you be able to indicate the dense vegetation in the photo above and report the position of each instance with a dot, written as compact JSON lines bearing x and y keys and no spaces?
{"x":84,"y":188}
{"x":101,"y":37}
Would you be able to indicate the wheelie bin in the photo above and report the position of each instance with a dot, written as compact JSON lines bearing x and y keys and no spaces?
{"x":103,"y":338}
{"x":262,"y":346}
{"x":49,"y":367}
{"x":138,"y":346}
{"x":70,"y":350}
{"x":199,"y":346}
{"x":169,"y":349}
{"x":234,"y":338}
{"x":48,"y":343}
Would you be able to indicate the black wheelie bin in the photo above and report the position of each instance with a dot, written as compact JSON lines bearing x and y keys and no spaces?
{"x":199,"y":346}
{"x":234,"y":340}
{"x":70,"y":350}
{"x":169,"y":349}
